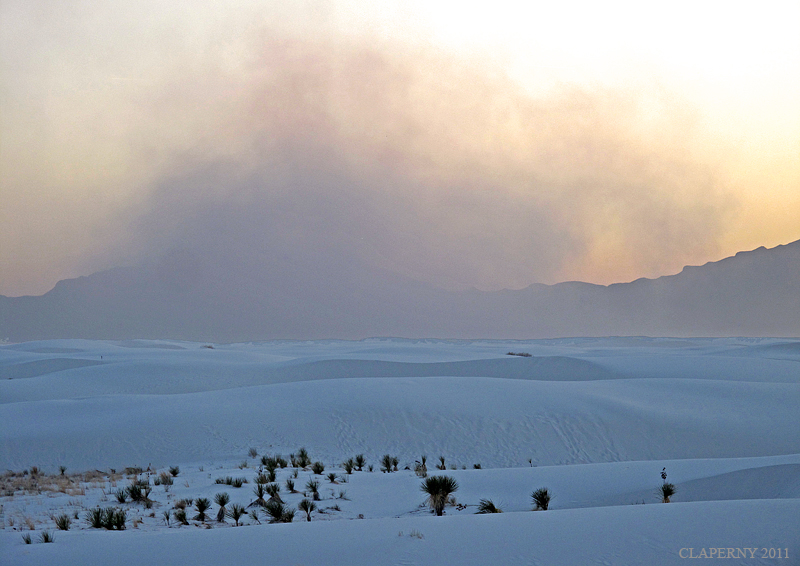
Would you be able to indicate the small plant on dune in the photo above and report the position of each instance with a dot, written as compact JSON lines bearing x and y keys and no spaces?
{"x":166,"y":479}
{"x":279,"y":513}
{"x":180,"y":516}
{"x":174,"y":471}
{"x":290,"y":485}
{"x":165,"y":516}
{"x":332,"y":477}
{"x":61,"y":470}
{"x":46,"y":536}
{"x":360,"y":462}
{"x":421,"y":467}
{"x":261,"y":478}
{"x":476,"y":466}
{"x":271,"y":475}
{"x":259,"y":491}
{"x":236,"y":512}
{"x":439,"y":490}
{"x":121,"y":495}
{"x":318,"y":468}
{"x":222,"y":499}
{"x":95,"y":517}
{"x":313,"y":487}
{"x":253,"y":453}
{"x":307,"y":506}
{"x":254,"y":516}
{"x":63,"y":522}
{"x":302,"y":459}
{"x":348,"y":466}
{"x":386,"y":463}
{"x":238,"y":482}
{"x":667,"y":489}
{"x":201,"y":505}
{"x":441,"y":465}
{"x":274,"y":490}
{"x":541,"y":499}
{"x":487,"y":506}
{"x":27,"y":538}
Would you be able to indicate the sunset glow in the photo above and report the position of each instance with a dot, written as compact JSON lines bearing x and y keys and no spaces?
{"x":465,"y":144}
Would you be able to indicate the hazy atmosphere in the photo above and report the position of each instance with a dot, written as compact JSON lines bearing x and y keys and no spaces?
{"x":463,"y":144}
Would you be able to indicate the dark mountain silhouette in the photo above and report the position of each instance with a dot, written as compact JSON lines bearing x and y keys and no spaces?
{"x":193,"y":296}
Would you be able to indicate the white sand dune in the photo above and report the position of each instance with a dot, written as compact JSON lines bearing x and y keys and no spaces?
{"x":594,"y":420}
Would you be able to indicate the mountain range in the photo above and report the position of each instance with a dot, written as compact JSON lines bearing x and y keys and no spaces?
{"x":190,"y":295}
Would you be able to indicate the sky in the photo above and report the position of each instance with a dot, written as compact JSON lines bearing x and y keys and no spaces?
{"x":466,"y":144}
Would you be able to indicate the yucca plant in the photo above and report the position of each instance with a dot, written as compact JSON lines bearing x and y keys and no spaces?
{"x":165,"y":515}
{"x":259,"y":491}
{"x":46,"y":536}
{"x":386,"y":463}
{"x":252,"y":453}
{"x":165,"y":479}
{"x":121,"y":495}
{"x":180,"y":516}
{"x":307,"y":506}
{"x":290,"y":485}
{"x":360,"y":462}
{"x":303,"y":460}
{"x":96,"y":518}
{"x":348,"y":466}
{"x":238,"y":482}
{"x":63,"y":522}
{"x":487,"y":506}
{"x":236,"y":512}
{"x":27,"y":538}
{"x":421,"y":467}
{"x":332,"y":477}
{"x":318,"y":468}
{"x":279,"y":513}
{"x":254,"y":516}
{"x":439,"y":489}
{"x":441,"y":465}
{"x":222,"y":499}
{"x":667,"y":491}
{"x":274,"y":490}
{"x":313,"y":487}
{"x":541,"y":498}
{"x":201,"y":505}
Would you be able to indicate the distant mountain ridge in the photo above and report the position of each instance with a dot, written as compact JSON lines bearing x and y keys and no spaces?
{"x":192,"y":296}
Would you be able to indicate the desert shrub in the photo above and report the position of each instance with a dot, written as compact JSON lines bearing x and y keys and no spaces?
{"x":27,"y":538}
{"x":46,"y":536}
{"x":487,"y":506}
{"x":236,"y":512}
{"x":222,"y":499}
{"x":121,"y":495}
{"x":165,"y":479}
{"x":523,"y":354}
{"x":318,"y":468}
{"x":360,"y":462}
{"x":441,"y":465}
{"x":274,"y":490}
{"x":61,"y":470}
{"x":254,"y":516}
{"x":259,"y":491}
{"x":183,"y":503}
{"x":290,"y":485}
{"x":242,"y":464}
{"x":271,"y":475}
{"x":135,"y":492}
{"x":279,"y":513}
{"x":174,"y":471}
{"x":332,"y":477}
{"x":307,"y":506}
{"x":95,"y":517}
{"x":261,"y":479}
{"x":253,"y":453}
{"x":302,"y":459}
{"x":63,"y":522}
{"x":439,"y":489}
{"x":238,"y":482}
{"x":201,"y":505}
{"x":228,"y":480}
{"x":421,"y":467}
{"x":667,"y":490}
{"x":313,"y":487}
{"x":541,"y":499}
{"x":165,"y":515}
{"x":476,"y":466}
{"x":349,"y":465}
{"x":180,"y":516}
{"x":386,"y":463}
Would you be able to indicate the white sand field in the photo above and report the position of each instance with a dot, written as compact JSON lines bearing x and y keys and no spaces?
{"x":593,"y":420}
